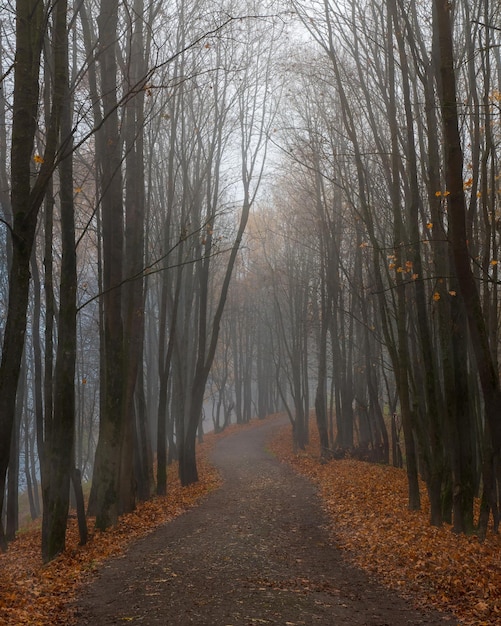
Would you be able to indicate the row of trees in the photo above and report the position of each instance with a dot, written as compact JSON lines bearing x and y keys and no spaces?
{"x":390,"y":265}
{"x":366,"y":285}
{"x":137,"y":142}
{"x":376,"y":262}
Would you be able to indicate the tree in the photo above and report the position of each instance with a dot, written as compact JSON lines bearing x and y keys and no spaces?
{"x":256,"y":114}
{"x":112,"y":486}
{"x":26,"y":199}
{"x":60,"y":426}
{"x":488,"y":375}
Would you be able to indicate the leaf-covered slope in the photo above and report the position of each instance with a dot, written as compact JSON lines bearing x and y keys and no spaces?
{"x":367,"y":504}
{"x":38,"y":595}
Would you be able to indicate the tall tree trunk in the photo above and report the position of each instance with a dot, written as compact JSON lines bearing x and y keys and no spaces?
{"x":26,"y":201}
{"x":401,"y":362}
{"x":106,"y":481}
{"x":488,"y":375}
{"x":133,"y":307}
{"x":433,"y":440}
{"x":164,"y":369}
{"x":59,"y":443}
{"x":187,"y":460}
{"x":458,"y":408}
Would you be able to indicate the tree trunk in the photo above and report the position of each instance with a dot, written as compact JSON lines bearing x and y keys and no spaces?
{"x":433,"y":440}
{"x":187,"y":460}
{"x":321,"y":391}
{"x":25,"y":207}
{"x":12,"y":509}
{"x":106,"y":482}
{"x":59,"y":443}
{"x":488,"y":375}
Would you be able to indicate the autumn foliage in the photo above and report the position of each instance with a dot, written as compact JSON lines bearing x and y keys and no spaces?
{"x":40,"y":595}
{"x":367,"y":504}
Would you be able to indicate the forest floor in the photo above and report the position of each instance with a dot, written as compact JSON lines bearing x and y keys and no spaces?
{"x":257,"y":551}
{"x":326,"y":544}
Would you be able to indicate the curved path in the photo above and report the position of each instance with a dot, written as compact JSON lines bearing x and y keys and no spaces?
{"x":254,"y":552}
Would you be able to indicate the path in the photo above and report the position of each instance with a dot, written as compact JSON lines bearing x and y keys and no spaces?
{"x":255,"y":552}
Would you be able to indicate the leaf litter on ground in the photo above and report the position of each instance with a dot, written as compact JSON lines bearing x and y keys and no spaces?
{"x":42,"y":595}
{"x":367,"y":507}
{"x":370,"y":522}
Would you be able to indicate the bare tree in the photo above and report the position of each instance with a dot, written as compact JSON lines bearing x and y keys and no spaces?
{"x":488,"y":375}
{"x":26,"y":199}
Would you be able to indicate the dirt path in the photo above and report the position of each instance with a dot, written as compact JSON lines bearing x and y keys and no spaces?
{"x":255,"y":552}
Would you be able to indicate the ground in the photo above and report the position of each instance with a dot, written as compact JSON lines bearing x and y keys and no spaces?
{"x":258,"y":550}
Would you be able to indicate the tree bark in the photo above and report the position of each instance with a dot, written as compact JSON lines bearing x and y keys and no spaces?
{"x":59,"y":443}
{"x":488,"y":375}
{"x":458,"y":237}
{"x":106,"y":481}
{"x":25,"y":202}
